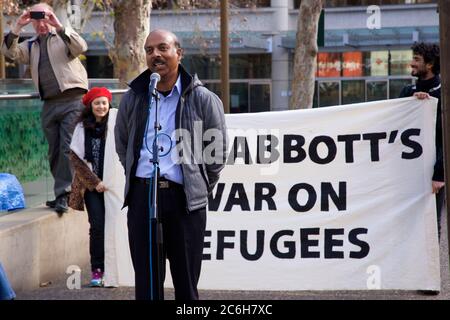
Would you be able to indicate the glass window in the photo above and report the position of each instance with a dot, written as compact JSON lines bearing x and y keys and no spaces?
{"x":353,"y":91}
{"x":242,"y":66}
{"x":328,"y":93}
{"x":376,"y":63}
{"x":206,"y":67}
{"x":396,"y":86}
{"x":259,"y":97}
{"x":239,"y":98}
{"x":329,"y":64}
{"x":240,"y":101}
{"x":376,"y":90}
{"x":250,"y":66}
{"x":401,"y":62}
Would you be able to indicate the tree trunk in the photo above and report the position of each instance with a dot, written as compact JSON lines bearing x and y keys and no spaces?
{"x":131,"y":28}
{"x":305,"y":55}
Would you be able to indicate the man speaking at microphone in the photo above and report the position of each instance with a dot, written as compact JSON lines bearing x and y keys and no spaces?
{"x":186,"y":177}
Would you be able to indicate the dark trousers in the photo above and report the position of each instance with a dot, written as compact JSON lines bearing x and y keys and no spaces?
{"x":183,"y":236}
{"x":440,"y":206}
{"x":58,"y":120}
{"x":95,"y":206}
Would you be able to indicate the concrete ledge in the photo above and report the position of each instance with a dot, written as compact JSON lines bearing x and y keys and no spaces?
{"x":37,"y":246}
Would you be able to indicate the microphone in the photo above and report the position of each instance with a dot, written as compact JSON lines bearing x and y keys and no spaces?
{"x":154,"y":78}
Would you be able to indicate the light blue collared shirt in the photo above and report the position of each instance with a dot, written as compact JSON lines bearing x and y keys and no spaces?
{"x":167,"y":108}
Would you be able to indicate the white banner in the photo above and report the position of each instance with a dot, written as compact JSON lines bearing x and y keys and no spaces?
{"x":336,"y":198}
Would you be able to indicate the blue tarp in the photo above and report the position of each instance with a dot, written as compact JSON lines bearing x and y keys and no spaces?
{"x":11,"y":193}
{"x":6,"y":292}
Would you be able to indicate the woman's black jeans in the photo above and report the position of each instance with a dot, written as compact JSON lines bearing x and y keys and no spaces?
{"x":95,"y":206}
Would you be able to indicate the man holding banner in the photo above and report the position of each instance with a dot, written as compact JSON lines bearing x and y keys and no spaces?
{"x":426,"y":67}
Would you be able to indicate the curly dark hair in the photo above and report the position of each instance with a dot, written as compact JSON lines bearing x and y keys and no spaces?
{"x":430,"y":54}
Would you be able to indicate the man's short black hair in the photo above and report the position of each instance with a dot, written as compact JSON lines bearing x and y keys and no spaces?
{"x":430,"y":54}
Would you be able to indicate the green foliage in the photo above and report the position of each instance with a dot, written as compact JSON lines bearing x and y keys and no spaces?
{"x":23,"y":148}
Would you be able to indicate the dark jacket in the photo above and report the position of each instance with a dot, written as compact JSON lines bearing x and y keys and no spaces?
{"x":196,"y":104}
{"x":433,"y":88}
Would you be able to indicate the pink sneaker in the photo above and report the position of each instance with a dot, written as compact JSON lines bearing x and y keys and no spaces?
{"x":97,"y":278}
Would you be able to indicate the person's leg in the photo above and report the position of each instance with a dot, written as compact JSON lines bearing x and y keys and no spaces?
{"x":69,"y":114}
{"x":183,"y":241}
{"x":95,"y":206}
{"x":440,"y":207}
{"x":138,"y":235}
{"x":50,"y":127}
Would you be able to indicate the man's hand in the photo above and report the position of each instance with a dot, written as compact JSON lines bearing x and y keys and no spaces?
{"x":52,"y":20}
{"x":100,"y":187}
{"x":436,"y":186}
{"x":421,"y":95}
{"x":23,"y":20}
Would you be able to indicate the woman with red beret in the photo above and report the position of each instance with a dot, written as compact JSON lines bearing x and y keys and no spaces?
{"x":98,"y":183}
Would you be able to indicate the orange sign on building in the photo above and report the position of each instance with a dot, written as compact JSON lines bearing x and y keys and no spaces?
{"x":352,"y":64}
{"x":328,"y":64}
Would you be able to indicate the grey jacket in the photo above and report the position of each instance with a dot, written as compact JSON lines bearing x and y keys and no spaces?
{"x":196,"y":104}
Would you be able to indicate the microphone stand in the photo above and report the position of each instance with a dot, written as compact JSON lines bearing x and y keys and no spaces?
{"x":157,"y":261}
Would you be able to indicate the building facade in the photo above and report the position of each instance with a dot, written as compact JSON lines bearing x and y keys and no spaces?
{"x":365,"y":56}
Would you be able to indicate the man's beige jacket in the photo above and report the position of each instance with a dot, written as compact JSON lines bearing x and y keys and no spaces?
{"x":68,"y":69}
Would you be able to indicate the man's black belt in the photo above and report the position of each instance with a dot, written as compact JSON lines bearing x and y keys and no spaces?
{"x":163,"y":183}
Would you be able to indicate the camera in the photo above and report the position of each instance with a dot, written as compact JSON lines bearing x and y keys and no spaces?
{"x":37,"y":15}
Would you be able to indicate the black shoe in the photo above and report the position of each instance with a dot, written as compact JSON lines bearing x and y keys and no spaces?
{"x":61,"y":205}
{"x":428,"y":292}
{"x":51,"y":204}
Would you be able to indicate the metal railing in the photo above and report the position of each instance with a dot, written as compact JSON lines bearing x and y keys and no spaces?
{"x":23,"y":88}
{"x":35,"y":95}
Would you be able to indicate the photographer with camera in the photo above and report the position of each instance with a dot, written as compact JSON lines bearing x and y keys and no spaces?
{"x":61,"y":80}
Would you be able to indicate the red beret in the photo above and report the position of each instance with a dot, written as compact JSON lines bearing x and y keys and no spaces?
{"x":94,"y":93}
